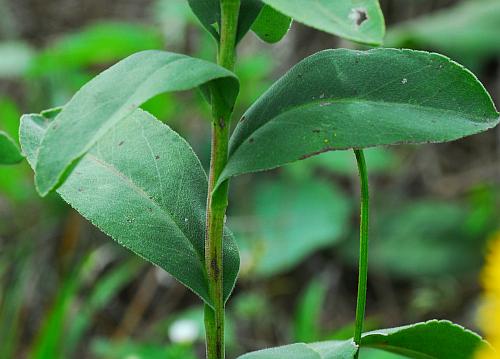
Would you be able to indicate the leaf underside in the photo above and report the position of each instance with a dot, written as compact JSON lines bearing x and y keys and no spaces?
{"x":112,"y":96}
{"x":142,"y":184}
{"x":342,"y":99}
{"x":356,"y":20}
{"x":430,"y":340}
{"x":271,"y":25}
{"x":9,"y":152}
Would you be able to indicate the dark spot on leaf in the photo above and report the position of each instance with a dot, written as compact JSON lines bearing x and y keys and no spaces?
{"x":316,"y":130}
{"x":80,"y":190}
{"x":242,"y":119}
{"x":358,"y":16}
{"x":121,"y":143}
{"x":157,"y":157}
{"x":251,"y":140}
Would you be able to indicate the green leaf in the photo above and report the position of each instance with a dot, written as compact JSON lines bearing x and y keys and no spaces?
{"x":113,"y":95}
{"x":294,"y":220}
{"x":142,"y":184}
{"x":356,"y":20}
{"x":9,"y":152}
{"x":208,"y":12}
{"x":468,"y":31}
{"x":271,"y":25}
{"x":324,"y":350}
{"x":430,"y":340}
{"x":341,"y":99}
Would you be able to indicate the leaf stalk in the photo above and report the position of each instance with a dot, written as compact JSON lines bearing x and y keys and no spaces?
{"x":363,"y":247}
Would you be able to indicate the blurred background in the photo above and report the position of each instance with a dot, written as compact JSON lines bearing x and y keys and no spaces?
{"x":68,"y":291}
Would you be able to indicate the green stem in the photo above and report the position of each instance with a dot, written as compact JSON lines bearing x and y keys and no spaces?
{"x":363,"y":246}
{"x":218,"y":200}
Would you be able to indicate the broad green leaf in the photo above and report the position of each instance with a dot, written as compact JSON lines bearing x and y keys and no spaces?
{"x":341,"y":99}
{"x":113,"y":95}
{"x":142,"y":184}
{"x":324,"y":350}
{"x":209,"y":14}
{"x":271,"y":25}
{"x":15,"y":59}
{"x":356,"y":20}
{"x":9,"y":152}
{"x":294,"y":220}
{"x":96,"y":44}
{"x":468,"y":31}
{"x":430,"y":340}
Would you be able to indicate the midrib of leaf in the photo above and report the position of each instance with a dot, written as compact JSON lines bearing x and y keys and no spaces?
{"x":142,"y":192}
{"x":329,"y":102}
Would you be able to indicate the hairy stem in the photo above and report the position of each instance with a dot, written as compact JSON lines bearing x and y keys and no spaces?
{"x":363,"y":246}
{"x":218,"y":200}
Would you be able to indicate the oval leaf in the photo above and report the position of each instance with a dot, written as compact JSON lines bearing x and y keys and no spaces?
{"x":325,"y":350}
{"x":113,"y":95}
{"x":430,"y":340}
{"x":356,"y":20}
{"x":341,"y":99}
{"x":142,"y":184}
{"x":209,"y":14}
{"x":271,"y":25}
{"x":9,"y":152}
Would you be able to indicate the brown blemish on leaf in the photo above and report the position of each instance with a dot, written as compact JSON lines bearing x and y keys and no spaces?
{"x":157,"y":157}
{"x":358,"y":16}
{"x":326,"y":149}
{"x":121,"y":143}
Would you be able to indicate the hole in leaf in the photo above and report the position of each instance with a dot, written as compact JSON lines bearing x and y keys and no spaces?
{"x":358,"y":16}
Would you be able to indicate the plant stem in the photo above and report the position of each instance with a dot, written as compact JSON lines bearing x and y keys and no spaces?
{"x":218,"y":200}
{"x":363,"y":246}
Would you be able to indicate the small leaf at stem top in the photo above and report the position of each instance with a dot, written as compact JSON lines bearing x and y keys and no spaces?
{"x":356,"y":20}
{"x":271,"y":25}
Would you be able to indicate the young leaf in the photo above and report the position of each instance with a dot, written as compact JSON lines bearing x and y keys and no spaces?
{"x":271,"y":25}
{"x":9,"y":152}
{"x":113,"y":95}
{"x":324,"y":350}
{"x":431,"y":340}
{"x":142,"y":184}
{"x":208,"y":12}
{"x":341,"y":99}
{"x":356,"y":20}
